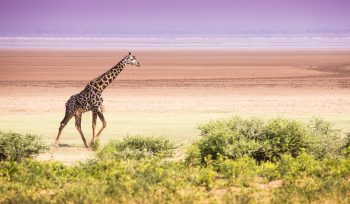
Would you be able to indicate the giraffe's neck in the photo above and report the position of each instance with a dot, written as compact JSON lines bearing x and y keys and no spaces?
{"x":105,"y":79}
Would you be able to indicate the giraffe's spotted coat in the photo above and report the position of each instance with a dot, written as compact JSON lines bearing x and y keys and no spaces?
{"x":90,"y":99}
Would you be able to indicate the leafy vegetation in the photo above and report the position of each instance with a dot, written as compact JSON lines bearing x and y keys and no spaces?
{"x":137,"y":169}
{"x":267,"y":141}
{"x":346,"y":148}
{"x":324,"y":140}
{"x":138,"y":147}
{"x":151,"y":180}
{"x":14,"y":146}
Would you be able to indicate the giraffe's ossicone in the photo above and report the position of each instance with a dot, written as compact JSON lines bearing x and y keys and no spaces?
{"x":90,"y":99}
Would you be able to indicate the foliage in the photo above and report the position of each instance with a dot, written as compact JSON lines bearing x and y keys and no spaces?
{"x":14,"y":146}
{"x":238,"y":172}
{"x":307,"y":179}
{"x":269,"y":171}
{"x":138,"y":147}
{"x":233,"y":138}
{"x":324,"y":140}
{"x":98,"y":181}
{"x":95,"y":145}
{"x":346,"y":147}
{"x":236,"y":161}
{"x":153,"y":180}
{"x":267,"y":141}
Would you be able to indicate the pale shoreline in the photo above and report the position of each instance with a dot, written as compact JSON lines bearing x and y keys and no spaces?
{"x":191,"y":42}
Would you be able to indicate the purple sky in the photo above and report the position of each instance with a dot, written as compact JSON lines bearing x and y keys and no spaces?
{"x":114,"y":17}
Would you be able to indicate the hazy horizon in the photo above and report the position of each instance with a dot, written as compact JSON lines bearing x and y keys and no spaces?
{"x":108,"y":18}
{"x":185,"y":42}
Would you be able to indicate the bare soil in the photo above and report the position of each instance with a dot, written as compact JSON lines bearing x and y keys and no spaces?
{"x":172,"y":92}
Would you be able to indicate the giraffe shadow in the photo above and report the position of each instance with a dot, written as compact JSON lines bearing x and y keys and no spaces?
{"x":66,"y":145}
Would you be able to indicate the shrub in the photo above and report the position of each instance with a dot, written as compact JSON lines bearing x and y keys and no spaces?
{"x":239,"y":172}
{"x":138,"y":147}
{"x":302,"y":166}
{"x":309,"y":180}
{"x":206,"y":177}
{"x":346,"y":147}
{"x":269,"y":171}
{"x":14,"y":146}
{"x":267,"y":141}
{"x":328,"y":190}
{"x":324,"y":140}
{"x":95,"y":145}
{"x":347,"y":141}
{"x":152,"y":180}
{"x":102,"y":181}
{"x":232,"y":138}
{"x":281,"y":136}
{"x":193,"y":157}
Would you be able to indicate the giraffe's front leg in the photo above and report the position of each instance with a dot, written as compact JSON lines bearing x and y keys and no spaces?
{"x":78,"y":126}
{"x":94,"y":118}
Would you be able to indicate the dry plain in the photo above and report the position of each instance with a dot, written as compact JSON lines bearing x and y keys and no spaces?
{"x":172,"y":92}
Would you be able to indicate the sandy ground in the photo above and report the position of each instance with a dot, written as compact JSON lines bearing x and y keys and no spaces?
{"x":172,"y":92}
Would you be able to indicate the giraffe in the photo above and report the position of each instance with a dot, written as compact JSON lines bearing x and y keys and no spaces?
{"x":90,"y":99}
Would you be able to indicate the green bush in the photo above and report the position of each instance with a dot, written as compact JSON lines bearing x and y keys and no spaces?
{"x":324,"y":140}
{"x":309,"y":180}
{"x":14,"y":146}
{"x":346,"y":147}
{"x":193,"y":157}
{"x":242,"y":171}
{"x":232,"y":138}
{"x":269,"y":171}
{"x":101,"y":181}
{"x":226,"y":165}
{"x":95,"y":145}
{"x":328,"y":190}
{"x":138,"y":147}
{"x":281,"y":136}
{"x":153,"y":180}
{"x":267,"y":141}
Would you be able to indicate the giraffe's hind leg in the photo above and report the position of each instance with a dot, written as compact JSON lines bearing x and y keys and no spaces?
{"x":104,"y":124}
{"x":63,"y":123}
{"x":78,"y":126}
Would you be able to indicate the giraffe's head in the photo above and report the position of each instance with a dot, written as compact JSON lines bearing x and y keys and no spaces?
{"x":131,"y":59}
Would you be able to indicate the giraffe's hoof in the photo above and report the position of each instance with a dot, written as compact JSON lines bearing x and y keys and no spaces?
{"x":87,"y":146}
